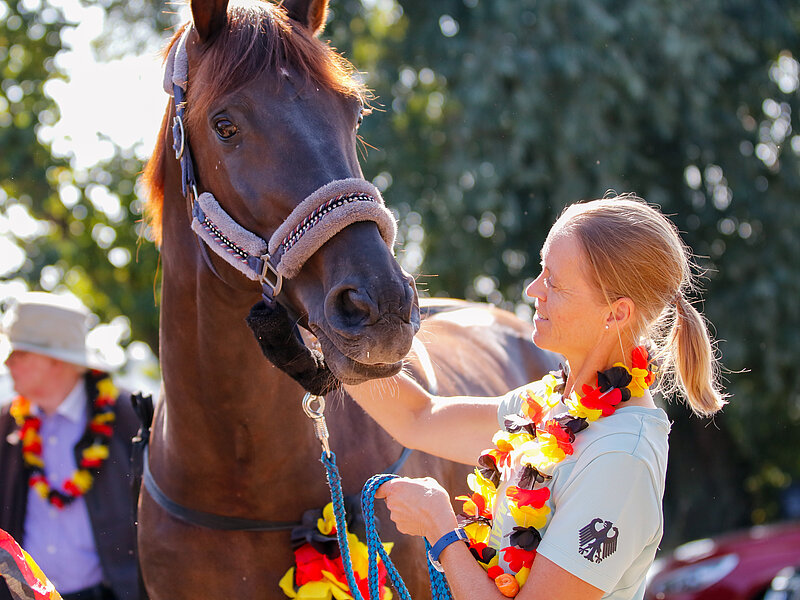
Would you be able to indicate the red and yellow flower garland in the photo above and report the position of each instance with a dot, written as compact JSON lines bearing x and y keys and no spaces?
{"x":537,"y":446}
{"x":319,"y":574}
{"x":101,"y":426}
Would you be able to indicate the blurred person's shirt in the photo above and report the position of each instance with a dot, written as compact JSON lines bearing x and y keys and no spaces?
{"x":61,"y":540}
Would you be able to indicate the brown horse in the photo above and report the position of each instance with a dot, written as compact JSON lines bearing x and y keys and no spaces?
{"x":271,"y":115}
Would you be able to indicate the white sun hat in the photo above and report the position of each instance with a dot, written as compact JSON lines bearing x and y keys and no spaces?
{"x":54,"y":326}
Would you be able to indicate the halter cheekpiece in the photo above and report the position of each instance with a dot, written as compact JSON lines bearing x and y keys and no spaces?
{"x":314,"y":221}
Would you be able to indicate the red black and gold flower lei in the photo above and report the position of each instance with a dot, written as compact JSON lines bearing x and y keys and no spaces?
{"x":529,"y":447}
{"x":319,"y":573}
{"x":101,"y":423}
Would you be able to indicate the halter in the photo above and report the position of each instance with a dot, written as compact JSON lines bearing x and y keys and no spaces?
{"x":314,"y":221}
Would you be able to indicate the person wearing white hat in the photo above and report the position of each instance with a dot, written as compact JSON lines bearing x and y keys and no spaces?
{"x":65,"y":446}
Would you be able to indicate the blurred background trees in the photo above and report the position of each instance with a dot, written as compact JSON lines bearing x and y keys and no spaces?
{"x":490,"y":117}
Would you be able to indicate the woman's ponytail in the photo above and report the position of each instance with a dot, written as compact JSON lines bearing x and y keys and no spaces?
{"x":691,"y":359}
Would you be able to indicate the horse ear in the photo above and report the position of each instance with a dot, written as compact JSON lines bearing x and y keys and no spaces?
{"x":309,"y":13}
{"x":209,"y":17}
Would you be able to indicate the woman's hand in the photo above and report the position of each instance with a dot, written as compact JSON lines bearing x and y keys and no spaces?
{"x":419,"y":507}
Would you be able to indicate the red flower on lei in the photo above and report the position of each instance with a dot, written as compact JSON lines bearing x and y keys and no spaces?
{"x":535,"y":498}
{"x":475,"y":506}
{"x":563,"y":437}
{"x":596,"y":399}
{"x":319,"y":573}
{"x":517,"y":558}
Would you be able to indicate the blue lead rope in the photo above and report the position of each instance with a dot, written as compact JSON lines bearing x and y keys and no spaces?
{"x":439,"y":588}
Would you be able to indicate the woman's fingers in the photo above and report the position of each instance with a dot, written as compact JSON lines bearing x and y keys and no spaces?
{"x":418,"y":506}
{"x":383,"y":489}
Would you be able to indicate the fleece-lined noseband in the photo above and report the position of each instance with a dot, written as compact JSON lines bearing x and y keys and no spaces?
{"x":314,"y":221}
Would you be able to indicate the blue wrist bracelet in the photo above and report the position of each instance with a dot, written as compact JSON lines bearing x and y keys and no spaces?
{"x":448,"y":538}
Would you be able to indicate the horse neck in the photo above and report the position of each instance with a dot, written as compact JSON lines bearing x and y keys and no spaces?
{"x":221,"y":393}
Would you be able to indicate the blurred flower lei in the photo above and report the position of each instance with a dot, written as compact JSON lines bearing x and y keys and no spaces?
{"x":101,"y":425}
{"x":318,"y":573}
{"x":537,"y":447}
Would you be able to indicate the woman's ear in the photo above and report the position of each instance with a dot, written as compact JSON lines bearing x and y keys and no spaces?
{"x":621,"y":314}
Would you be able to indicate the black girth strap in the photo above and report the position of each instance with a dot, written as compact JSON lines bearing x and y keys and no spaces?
{"x":144,"y":409}
{"x":209,"y":520}
{"x":206,"y":519}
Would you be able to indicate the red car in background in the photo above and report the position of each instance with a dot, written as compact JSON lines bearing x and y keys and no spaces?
{"x":736,"y":566}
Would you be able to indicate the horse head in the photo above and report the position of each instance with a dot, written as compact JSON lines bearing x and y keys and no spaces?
{"x":271,"y":116}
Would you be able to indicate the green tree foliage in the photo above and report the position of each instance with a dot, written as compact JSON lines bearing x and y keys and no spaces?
{"x":497,"y":114}
{"x":87,"y":238}
{"x":28,"y":42}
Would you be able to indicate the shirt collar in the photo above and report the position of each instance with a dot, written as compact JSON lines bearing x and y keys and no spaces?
{"x":74,"y":405}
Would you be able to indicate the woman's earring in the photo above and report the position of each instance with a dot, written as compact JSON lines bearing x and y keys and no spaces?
{"x":606,"y":325}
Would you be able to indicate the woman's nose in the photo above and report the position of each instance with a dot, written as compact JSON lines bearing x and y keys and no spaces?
{"x":535,"y":289}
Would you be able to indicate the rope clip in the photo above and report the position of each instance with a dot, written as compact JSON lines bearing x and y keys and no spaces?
{"x":317,"y":416}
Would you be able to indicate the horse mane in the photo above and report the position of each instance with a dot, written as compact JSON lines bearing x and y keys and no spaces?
{"x":258,"y":38}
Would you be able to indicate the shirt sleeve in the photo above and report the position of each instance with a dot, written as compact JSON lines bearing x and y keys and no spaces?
{"x":603,"y":518}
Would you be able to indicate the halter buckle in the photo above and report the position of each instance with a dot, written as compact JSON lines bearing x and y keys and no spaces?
{"x":178,"y":143}
{"x":268,"y":269}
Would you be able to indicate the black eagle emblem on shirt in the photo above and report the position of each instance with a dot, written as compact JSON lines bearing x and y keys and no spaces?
{"x":597,"y":540}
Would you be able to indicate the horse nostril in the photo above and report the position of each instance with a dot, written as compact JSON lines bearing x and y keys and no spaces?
{"x":410,"y":299}
{"x":355,"y":307}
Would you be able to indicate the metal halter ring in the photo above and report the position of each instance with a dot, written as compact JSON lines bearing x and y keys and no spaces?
{"x":178,"y":121}
{"x":276,"y":289}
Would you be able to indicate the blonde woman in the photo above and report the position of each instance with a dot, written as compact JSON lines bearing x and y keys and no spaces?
{"x":567,"y":500}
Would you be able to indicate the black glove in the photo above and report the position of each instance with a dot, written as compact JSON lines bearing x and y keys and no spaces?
{"x":281,"y":343}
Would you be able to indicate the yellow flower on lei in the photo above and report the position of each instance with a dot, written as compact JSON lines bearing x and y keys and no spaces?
{"x":105,"y":387}
{"x":83,"y":479}
{"x":327,"y":523}
{"x":359,"y":552}
{"x":511,"y":442}
{"x":528,"y":516}
{"x":550,"y":382}
{"x":96,"y":451}
{"x":576,"y":409}
{"x":41,"y":488}
{"x":637,"y":386}
{"x":33,"y":459}
{"x":522,"y":575}
{"x":480,"y":485}
{"x":535,"y":405}
{"x":20,"y":409}
{"x":313,"y":590}
{"x":478,"y":532}
{"x":542,"y":453}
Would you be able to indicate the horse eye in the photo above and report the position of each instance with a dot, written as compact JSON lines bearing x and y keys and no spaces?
{"x":225,"y":129}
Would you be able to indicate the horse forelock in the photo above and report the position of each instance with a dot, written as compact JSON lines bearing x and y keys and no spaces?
{"x":259,"y":39}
